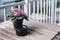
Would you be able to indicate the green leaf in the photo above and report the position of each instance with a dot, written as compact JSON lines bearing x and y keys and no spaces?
{"x":25,"y":17}
{"x":13,"y":18}
{"x":10,"y":15}
{"x":20,"y":18}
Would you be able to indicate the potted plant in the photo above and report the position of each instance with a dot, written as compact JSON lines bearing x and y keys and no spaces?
{"x":17,"y":16}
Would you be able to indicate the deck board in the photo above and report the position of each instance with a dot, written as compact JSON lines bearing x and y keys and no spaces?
{"x":39,"y":31}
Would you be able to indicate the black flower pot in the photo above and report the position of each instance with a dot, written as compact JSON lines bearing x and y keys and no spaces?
{"x":21,"y":30}
{"x":18,"y":23}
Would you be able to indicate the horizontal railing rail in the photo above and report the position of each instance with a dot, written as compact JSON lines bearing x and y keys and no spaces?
{"x":12,"y":4}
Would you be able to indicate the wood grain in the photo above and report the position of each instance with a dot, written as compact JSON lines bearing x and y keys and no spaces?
{"x":37,"y":30}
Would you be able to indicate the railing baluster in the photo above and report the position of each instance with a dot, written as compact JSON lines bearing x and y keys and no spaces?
{"x":34,"y":10}
{"x":4,"y":14}
{"x":29,"y":11}
{"x":37,"y":10}
{"x":52,"y":11}
{"x":11,"y":7}
{"x":59,"y":17}
{"x":41,"y":9}
{"x":18,"y":6}
{"x":47,"y":11}
{"x":55,"y":10}
{"x":26,"y":7}
{"x":44,"y":12}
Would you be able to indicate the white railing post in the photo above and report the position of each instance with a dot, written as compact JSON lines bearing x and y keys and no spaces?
{"x":55,"y":10}
{"x":44,"y":12}
{"x":59,"y":16}
{"x":11,"y":7}
{"x":49,"y":10}
{"x":34,"y":10}
{"x":4,"y":14}
{"x":52,"y":11}
{"x":18,"y":6}
{"x":26,"y":7}
{"x":29,"y":10}
{"x":41,"y":10}
{"x":37,"y":10}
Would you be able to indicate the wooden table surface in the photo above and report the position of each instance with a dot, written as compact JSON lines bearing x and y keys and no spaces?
{"x":39,"y":31}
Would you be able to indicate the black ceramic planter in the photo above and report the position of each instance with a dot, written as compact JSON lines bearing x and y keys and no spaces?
{"x":18,"y":24}
{"x":21,"y":30}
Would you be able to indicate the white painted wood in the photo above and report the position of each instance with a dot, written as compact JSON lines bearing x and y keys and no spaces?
{"x":29,"y":10}
{"x":37,"y":10}
{"x":44,"y":12}
{"x":12,"y":7}
{"x":33,"y":10}
{"x":55,"y":10}
{"x":52,"y":11}
{"x":33,"y":0}
{"x":9,"y":5}
{"x":49,"y":10}
{"x":41,"y":9}
{"x":26,"y":7}
{"x":59,"y":16}
{"x":4,"y":14}
{"x":19,"y":6}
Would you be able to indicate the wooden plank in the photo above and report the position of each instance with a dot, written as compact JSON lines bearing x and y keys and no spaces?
{"x":33,"y":36}
{"x":5,"y":37}
{"x":41,"y":33}
{"x":44,"y":32}
{"x":42,"y":25}
{"x":13,"y":35}
{"x":1,"y":38}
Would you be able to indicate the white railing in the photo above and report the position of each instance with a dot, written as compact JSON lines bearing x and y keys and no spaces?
{"x":39,"y":10}
{"x":48,"y":11}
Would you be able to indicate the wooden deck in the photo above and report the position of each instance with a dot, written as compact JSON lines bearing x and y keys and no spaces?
{"x":39,"y":31}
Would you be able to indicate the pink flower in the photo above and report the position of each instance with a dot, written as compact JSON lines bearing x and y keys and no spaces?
{"x":15,"y":14}
{"x":17,"y":11}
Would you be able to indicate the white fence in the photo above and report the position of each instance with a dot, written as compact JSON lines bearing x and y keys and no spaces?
{"x":45,"y":11}
{"x":39,"y":10}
